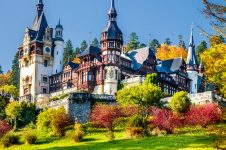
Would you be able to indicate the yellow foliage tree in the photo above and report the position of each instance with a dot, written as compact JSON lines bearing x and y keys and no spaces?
{"x":166,"y":52}
{"x":215,"y":66}
{"x":5,"y":78}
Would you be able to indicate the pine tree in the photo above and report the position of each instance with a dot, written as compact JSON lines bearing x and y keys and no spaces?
{"x":142,"y":45}
{"x":15,"y":80}
{"x":168,"y":41}
{"x":68,"y":52}
{"x":95,"y":42}
{"x":154,"y":44}
{"x":84,"y":45}
{"x":181,"y":42}
{"x":1,"y":72}
{"x":133,"y":41}
{"x":201,"y":48}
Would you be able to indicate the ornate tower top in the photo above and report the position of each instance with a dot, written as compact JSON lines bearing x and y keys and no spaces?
{"x":40,"y":7}
{"x":112,"y":12}
{"x":59,"y":32}
{"x":192,"y":62}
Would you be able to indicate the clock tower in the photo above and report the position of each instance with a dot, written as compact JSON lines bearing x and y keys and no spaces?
{"x":111,"y":47}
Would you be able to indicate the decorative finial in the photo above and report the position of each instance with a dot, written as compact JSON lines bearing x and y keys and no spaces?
{"x":40,"y":2}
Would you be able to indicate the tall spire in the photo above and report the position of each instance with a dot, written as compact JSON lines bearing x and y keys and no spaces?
{"x":40,"y":7}
{"x":192,"y":61}
{"x":112,"y":13}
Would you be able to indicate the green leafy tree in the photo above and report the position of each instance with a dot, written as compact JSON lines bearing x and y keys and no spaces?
{"x":154,"y":44}
{"x":180,"y":103}
{"x":151,"y":79}
{"x":10,"y":89}
{"x":84,"y":45}
{"x":168,"y":41}
{"x":13,"y":113}
{"x":15,"y":79}
{"x":1,"y":71}
{"x":3,"y":103}
{"x":95,"y":42}
{"x":143,"y":95}
{"x":181,"y":42}
{"x":133,"y":42}
{"x":68,"y":52}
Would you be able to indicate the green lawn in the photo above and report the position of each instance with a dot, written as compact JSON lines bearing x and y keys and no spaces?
{"x":195,"y":140}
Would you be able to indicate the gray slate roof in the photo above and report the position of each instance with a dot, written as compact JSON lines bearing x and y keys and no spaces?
{"x":112,"y":30}
{"x":170,"y":66}
{"x":39,"y":25}
{"x":73,"y":65}
{"x":90,"y":50}
{"x":139,"y":56}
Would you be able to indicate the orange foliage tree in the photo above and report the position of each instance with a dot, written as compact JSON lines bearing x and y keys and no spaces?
{"x":169,"y":52}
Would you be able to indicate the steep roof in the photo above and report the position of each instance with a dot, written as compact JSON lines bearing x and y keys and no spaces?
{"x":139,"y":56}
{"x":39,"y":25}
{"x":90,"y":50}
{"x":112,"y":30}
{"x":73,"y":65}
{"x":170,"y":66}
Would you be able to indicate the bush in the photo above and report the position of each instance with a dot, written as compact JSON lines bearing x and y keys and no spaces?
{"x":131,"y":110}
{"x":54,"y":120}
{"x":55,"y":98}
{"x":110,"y":135}
{"x":9,"y":140}
{"x":158,"y":132}
{"x":105,"y":115}
{"x":30,"y":138}
{"x":203,"y":115}
{"x":165,"y":120}
{"x":180,"y":103}
{"x":63,"y":96}
{"x":4,"y":128}
{"x":78,"y":134}
{"x":135,"y":132}
{"x":59,"y":121}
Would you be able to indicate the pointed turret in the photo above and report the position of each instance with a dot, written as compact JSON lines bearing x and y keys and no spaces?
{"x":40,"y":7}
{"x":201,"y":67}
{"x":112,"y":13}
{"x":192,"y":62}
{"x":59,"y":32}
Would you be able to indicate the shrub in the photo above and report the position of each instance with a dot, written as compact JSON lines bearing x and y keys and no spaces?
{"x":135,"y":132}
{"x":30,"y":138}
{"x":63,"y":96}
{"x":55,"y":98}
{"x":59,"y":121}
{"x":78,"y":134}
{"x":131,"y":110}
{"x":158,"y":132}
{"x":110,"y":135}
{"x":180,"y":103}
{"x":105,"y":115}
{"x":9,"y":140}
{"x":165,"y":120}
{"x":203,"y":115}
{"x":44,"y":120}
{"x":4,"y":128}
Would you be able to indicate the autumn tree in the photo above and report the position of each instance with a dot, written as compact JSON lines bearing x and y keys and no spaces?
{"x":215,"y":12}
{"x":5,"y":79}
{"x":215,"y":66}
{"x":10,"y":89}
{"x":68,"y":52}
{"x":169,"y":52}
{"x":215,"y":40}
{"x":154,"y":44}
{"x":133,"y":41}
{"x":15,"y":80}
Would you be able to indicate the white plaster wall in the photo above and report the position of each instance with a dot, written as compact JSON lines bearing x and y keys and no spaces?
{"x":110,"y":83}
{"x":193,"y":75}
{"x":58,"y":56}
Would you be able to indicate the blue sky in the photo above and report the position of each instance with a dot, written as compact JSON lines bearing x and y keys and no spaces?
{"x":148,"y":18}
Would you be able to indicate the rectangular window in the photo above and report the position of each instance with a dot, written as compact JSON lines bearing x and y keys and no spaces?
{"x":45,"y":63}
{"x":45,"y":79}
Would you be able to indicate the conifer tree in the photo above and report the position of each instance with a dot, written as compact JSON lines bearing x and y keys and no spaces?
{"x":133,"y":41}
{"x":154,"y":44}
{"x":84,"y":45}
{"x":15,"y":79}
{"x":68,"y":52}
{"x":1,"y":72}
{"x":181,"y":42}
{"x":168,"y":41}
{"x":95,"y":42}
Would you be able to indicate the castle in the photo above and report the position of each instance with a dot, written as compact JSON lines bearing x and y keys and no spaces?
{"x":101,"y":70}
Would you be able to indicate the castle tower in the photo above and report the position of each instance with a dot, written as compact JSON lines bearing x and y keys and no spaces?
{"x":192,"y":66}
{"x":35,"y":58}
{"x":58,"y":49}
{"x":111,"y":47}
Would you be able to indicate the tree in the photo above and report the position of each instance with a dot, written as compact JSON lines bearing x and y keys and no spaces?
{"x":5,"y":79}
{"x":95,"y":42}
{"x":166,"y":52}
{"x":168,"y":41}
{"x":142,"y":45}
{"x":214,"y":60}
{"x":3,"y":103}
{"x":1,"y":72}
{"x":15,"y":79}
{"x":154,"y":44}
{"x":151,"y":79}
{"x":216,"y":13}
{"x":201,"y":48}
{"x":13,"y":113}
{"x":133,"y":41}
{"x":10,"y":89}
{"x":180,"y":103}
{"x":143,"y":95}
{"x":181,"y":42}
{"x":84,"y":45}
{"x":215,"y":40}
{"x":68,"y":52}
